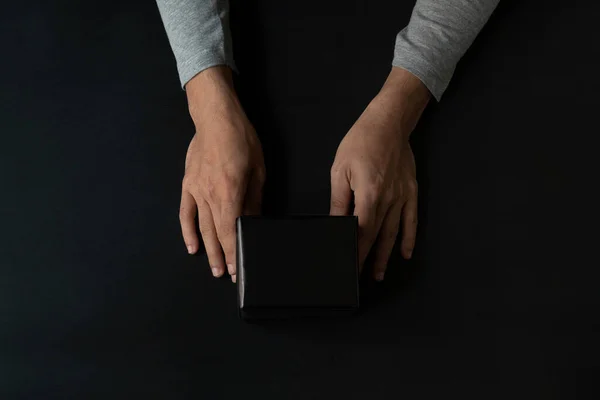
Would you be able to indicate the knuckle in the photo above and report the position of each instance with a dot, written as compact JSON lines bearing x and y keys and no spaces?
{"x":388,"y":196}
{"x":226,"y":195}
{"x":186,"y":183}
{"x":369,"y":197}
{"x":376,"y":188}
{"x":184,"y":214}
{"x":209,"y":189}
{"x":400,"y":191}
{"x":337,"y":170}
{"x":221,"y":186}
{"x":232,"y":178}
{"x":378,"y":181}
{"x":413,"y":187}
{"x":229,"y":188}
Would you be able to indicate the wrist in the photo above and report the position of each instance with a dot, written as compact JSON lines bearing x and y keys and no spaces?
{"x":404,"y":86}
{"x":404,"y":98}
{"x":211,"y":90}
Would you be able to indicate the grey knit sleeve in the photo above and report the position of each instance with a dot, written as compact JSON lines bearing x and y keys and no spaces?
{"x":198,"y":31}
{"x":437,"y":36}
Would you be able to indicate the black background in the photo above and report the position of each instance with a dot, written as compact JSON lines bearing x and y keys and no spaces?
{"x":98,"y":298}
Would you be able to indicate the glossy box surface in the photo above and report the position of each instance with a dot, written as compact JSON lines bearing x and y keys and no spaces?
{"x":297,"y":266}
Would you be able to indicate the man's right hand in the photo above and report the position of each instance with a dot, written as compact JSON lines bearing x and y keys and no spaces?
{"x":224,"y":169}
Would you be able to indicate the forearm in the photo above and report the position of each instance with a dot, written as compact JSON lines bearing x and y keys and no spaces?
{"x":437,"y":36}
{"x":198,"y":31}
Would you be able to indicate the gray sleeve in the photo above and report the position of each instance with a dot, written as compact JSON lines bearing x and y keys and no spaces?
{"x":437,"y":36}
{"x":198,"y":31}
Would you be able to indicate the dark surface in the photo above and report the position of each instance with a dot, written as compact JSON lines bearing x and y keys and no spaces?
{"x":297,"y":266}
{"x":98,"y":298}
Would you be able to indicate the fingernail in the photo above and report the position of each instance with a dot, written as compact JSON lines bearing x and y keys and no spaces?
{"x":379,"y":276}
{"x":410,"y":253}
{"x":190,"y":248}
{"x":230,"y":269}
{"x":233,"y":278}
{"x":216,"y":272}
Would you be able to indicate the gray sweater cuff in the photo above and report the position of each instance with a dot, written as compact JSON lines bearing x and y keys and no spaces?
{"x":409,"y":58}
{"x":437,"y":36}
{"x":193,"y":65}
{"x":198,"y":31}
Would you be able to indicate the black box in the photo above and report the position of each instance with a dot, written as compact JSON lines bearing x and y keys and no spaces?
{"x":297,"y":266}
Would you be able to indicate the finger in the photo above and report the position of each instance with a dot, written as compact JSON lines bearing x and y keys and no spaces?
{"x":187,"y":220}
{"x":369,"y":222}
{"x":228,"y":212}
{"x":211,"y":242}
{"x":385,"y":240}
{"x":341,"y":193}
{"x":409,"y":224}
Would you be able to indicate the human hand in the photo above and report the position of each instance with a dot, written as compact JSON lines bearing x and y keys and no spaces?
{"x":374,"y":162}
{"x":224,"y":169}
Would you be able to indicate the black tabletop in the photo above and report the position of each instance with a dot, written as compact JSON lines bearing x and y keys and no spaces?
{"x":99,"y":299}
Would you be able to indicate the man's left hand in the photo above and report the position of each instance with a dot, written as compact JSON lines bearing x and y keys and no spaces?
{"x":375,"y":167}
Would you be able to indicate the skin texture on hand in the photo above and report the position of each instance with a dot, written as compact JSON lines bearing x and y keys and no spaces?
{"x":375,"y":167}
{"x":224,"y":169}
